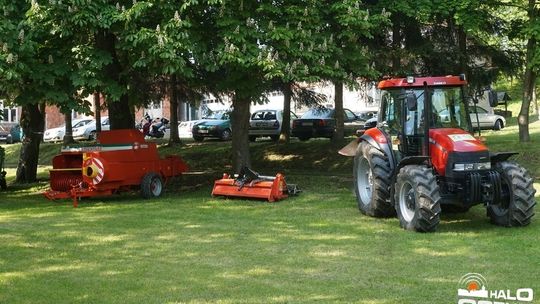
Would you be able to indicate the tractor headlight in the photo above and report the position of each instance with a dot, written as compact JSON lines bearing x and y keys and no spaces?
{"x":472,"y":166}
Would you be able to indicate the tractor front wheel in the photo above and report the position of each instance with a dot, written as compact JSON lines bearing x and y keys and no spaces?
{"x":516,"y":207}
{"x":417,"y":199}
{"x":151,"y":185}
{"x":372,"y":181}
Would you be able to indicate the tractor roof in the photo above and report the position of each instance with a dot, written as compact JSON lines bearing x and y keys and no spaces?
{"x":419,"y":82}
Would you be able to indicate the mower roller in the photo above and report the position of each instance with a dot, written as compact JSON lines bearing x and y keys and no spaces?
{"x":421,"y":159}
{"x":249,"y":184}
{"x":122,"y":160}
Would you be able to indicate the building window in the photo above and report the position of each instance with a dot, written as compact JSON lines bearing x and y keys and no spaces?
{"x":9,"y":114}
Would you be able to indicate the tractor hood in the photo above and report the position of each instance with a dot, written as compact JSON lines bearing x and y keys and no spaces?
{"x":455,"y":140}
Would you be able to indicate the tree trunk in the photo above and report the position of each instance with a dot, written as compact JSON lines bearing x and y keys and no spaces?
{"x":173,"y":100}
{"x":523,"y":117}
{"x":97,"y":111}
{"x":68,"y":135}
{"x":32,"y":122}
{"x":240,"y":132}
{"x":339,"y":114}
{"x":535,"y":102}
{"x":285,"y":135}
{"x":120,"y":111}
{"x":529,"y":80}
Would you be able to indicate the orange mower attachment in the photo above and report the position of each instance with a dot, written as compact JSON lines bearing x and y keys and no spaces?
{"x":249,"y":184}
{"x":121,"y":160}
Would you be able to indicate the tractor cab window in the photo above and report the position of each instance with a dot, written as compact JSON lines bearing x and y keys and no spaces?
{"x":448,"y":108}
{"x":391,"y":109}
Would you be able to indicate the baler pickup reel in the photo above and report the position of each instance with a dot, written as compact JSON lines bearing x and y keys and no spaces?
{"x":250,"y":184}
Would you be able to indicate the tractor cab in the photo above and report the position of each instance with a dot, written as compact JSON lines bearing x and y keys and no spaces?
{"x":408,"y":111}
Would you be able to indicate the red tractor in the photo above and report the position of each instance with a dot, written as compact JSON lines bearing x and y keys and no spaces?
{"x":421,"y":158}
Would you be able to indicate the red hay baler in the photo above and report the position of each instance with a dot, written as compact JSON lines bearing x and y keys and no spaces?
{"x":121,"y":160}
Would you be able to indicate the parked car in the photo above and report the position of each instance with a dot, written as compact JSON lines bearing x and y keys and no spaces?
{"x":217,"y":124}
{"x":365,"y":115}
{"x":267,"y":123}
{"x":185,"y":128}
{"x":88,"y":131}
{"x":4,"y":134}
{"x":486,"y":119}
{"x":15,"y":134}
{"x":370,"y":123}
{"x":57,"y":134}
{"x":321,"y":122}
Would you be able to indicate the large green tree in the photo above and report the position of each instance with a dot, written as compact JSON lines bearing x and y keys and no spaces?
{"x":36,"y":67}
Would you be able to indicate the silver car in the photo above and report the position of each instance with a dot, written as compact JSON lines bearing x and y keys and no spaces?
{"x":267,"y":123}
{"x":486,"y":119}
{"x":57,"y":134}
{"x":88,"y":131}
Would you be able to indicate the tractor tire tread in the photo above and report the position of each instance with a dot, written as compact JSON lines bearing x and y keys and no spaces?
{"x":521,"y":206}
{"x":379,"y":205}
{"x":427,"y":216}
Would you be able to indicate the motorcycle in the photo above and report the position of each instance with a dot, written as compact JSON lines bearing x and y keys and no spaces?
{"x":153,"y":127}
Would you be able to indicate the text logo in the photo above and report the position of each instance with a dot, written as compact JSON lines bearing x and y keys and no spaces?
{"x":473,"y":289}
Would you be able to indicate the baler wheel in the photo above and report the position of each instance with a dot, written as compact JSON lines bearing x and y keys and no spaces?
{"x":372,"y":181}
{"x":517,"y":206}
{"x":417,"y":199}
{"x":151,"y":185}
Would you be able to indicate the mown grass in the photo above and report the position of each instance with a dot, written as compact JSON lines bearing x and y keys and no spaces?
{"x":187,"y":247}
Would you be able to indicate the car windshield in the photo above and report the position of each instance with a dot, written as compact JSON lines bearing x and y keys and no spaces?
{"x":447,"y":107}
{"x":221,"y":115}
{"x":318,"y":113}
{"x":81,"y":123}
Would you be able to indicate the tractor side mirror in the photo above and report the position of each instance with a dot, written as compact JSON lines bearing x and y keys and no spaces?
{"x":412,"y":103}
{"x":492,"y":97}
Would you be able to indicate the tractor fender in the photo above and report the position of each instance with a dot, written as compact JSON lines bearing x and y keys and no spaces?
{"x":381,"y":145}
{"x":412,"y":160}
{"x":501,"y":156}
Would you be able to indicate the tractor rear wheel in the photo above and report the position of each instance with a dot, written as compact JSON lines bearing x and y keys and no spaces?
{"x":417,"y":199}
{"x":517,"y":197}
{"x":372,"y":181}
{"x":151,"y":185}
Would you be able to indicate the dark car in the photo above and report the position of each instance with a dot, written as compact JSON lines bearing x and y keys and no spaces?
{"x":321,"y":122}
{"x":16,"y":134}
{"x":4,"y":134}
{"x":217,"y":124}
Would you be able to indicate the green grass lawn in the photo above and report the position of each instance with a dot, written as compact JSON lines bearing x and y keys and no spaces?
{"x":187,"y":247}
